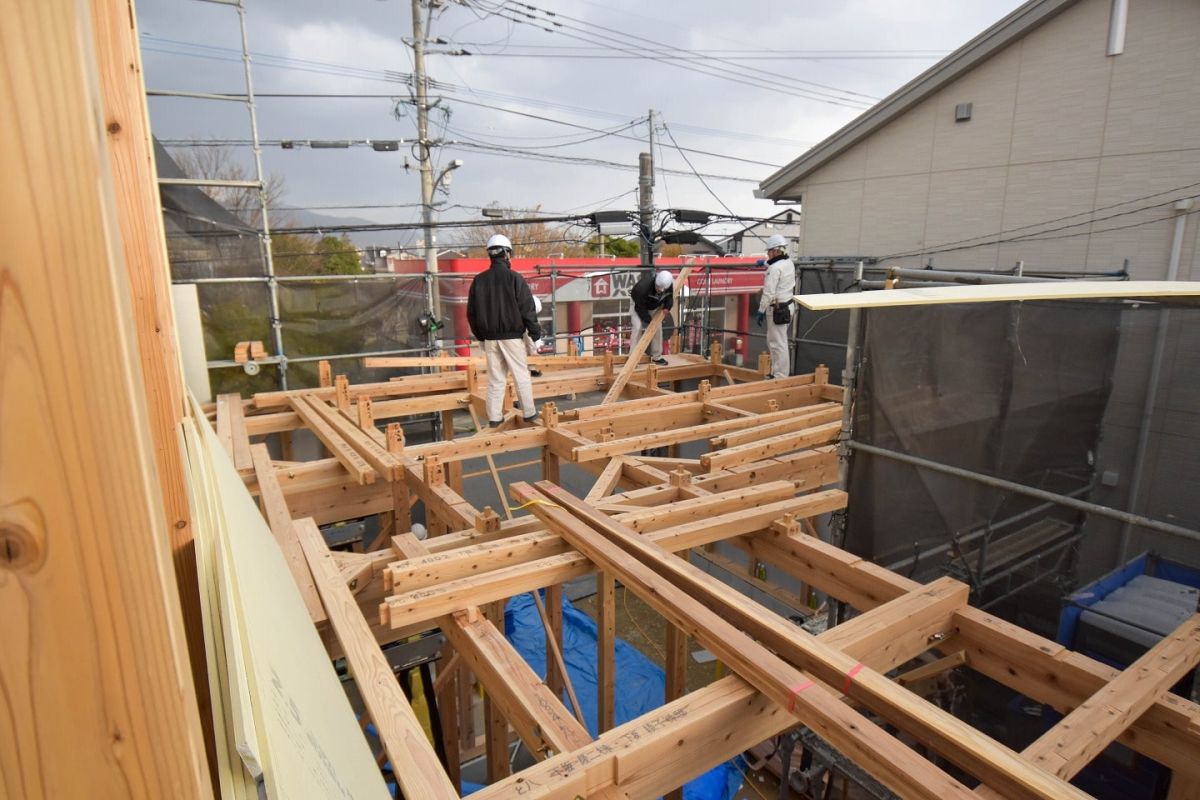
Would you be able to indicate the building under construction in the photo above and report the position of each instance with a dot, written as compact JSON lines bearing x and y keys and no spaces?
{"x":953,"y":555}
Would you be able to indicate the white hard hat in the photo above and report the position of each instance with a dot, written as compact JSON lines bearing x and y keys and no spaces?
{"x":663,"y":280}
{"x":776,"y":242}
{"x":537,"y":304}
{"x":499,"y":240}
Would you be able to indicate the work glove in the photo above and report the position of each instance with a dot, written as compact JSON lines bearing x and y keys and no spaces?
{"x":760,"y":318}
{"x":762,"y":262}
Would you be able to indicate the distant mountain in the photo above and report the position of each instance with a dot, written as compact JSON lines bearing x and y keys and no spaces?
{"x":309,"y":219}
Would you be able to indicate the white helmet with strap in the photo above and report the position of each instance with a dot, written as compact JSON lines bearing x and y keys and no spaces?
{"x":499,"y":242}
{"x":663,"y":280}
{"x":776,"y":242}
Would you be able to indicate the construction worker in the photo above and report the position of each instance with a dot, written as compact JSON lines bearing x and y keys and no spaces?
{"x":500,"y":311}
{"x":779,"y":287}
{"x":655,"y":290}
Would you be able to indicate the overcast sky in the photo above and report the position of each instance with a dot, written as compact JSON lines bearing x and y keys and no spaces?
{"x":764,"y":80}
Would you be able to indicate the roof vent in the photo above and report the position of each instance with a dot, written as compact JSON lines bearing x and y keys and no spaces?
{"x":962,"y":112}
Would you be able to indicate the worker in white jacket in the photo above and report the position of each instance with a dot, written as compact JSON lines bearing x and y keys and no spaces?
{"x":779,"y":286}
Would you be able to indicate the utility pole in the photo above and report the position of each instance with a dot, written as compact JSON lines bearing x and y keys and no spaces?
{"x":646,"y":199}
{"x":426,"y":159}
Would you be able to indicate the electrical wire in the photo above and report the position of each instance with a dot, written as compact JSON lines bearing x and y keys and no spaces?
{"x":392,"y":76}
{"x":635,"y":45}
{"x":997,"y":238}
{"x":697,"y":174}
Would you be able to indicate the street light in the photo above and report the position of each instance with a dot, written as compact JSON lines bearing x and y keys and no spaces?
{"x":443,"y":179}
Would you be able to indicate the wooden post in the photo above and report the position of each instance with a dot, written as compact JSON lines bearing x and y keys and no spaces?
{"x":324,"y":374}
{"x":341,"y":387}
{"x":496,"y":726}
{"x":821,"y":374}
{"x":572,"y":347}
{"x":446,"y":694}
{"x":401,"y":501}
{"x":95,"y":667}
{"x":652,"y":376}
{"x":549,"y":414}
{"x":550,"y":466}
{"x":454,"y":469}
{"x":606,"y":637}
{"x":139,"y":217}
{"x":714,"y":352}
{"x":764,"y":364}
{"x":676,"y":669}
{"x":366,"y":419}
{"x":554,"y":678}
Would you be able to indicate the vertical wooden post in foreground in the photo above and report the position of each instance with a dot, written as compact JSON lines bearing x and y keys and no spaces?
{"x":606,"y":638}
{"x":93,"y":668}
{"x":143,"y":242}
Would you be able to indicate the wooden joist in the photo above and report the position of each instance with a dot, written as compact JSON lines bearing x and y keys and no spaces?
{"x":275,"y":509}
{"x":349,"y":458}
{"x":414,"y":762}
{"x":890,"y":761}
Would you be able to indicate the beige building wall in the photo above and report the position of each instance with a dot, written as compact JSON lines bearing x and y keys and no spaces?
{"x":1060,"y":133}
{"x":1058,"y":128}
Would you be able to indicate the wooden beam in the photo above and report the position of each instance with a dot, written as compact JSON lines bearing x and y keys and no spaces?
{"x":414,"y":762}
{"x":986,"y":759}
{"x":668,"y":436}
{"x":94,"y":667}
{"x":607,"y":481}
{"x":891,"y":762}
{"x":538,"y":717}
{"x":1023,"y":661}
{"x":776,"y":445}
{"x":804,"y":418}
{"x":1080,"y":736}
{"x":349,"y":458}
{"x":639,"y":349}
{"x":275,"y":509}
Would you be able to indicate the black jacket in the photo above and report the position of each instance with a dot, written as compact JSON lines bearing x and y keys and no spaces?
{"x":647,"y":299}
{"x":500,"y":305}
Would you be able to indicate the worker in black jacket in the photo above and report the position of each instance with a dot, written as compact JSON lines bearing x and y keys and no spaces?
{"x":500,"y":312}
{"x":655,"y":290}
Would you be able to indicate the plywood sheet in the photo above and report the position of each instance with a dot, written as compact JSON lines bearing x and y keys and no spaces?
{"x":309,"y":743}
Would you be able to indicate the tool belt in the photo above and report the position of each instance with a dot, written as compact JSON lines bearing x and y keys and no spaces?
{"x":781,"y":314}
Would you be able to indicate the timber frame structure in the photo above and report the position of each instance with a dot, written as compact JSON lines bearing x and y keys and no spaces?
{"x":767,"y":476}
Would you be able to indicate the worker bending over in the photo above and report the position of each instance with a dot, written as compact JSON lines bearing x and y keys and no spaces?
{"x":655,"y":290}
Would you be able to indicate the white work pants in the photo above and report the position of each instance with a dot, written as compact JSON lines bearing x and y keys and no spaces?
{"x":636,"y":335}
{"x":777,"y":344}
{"x":506,"y":356}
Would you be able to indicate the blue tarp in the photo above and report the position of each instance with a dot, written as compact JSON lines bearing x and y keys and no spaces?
{"x":640,"y":685}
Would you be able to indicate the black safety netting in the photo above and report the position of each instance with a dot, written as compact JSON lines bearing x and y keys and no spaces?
{"x":1050,"y":395}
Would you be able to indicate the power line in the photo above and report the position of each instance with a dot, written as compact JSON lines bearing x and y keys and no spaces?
{"x":697,"y":174}
{"x":704,"y":69}
{"x":403,"y":78}
{"x":995,"y":238}
{"x":498,"y":150}
{"x":636,"y":46}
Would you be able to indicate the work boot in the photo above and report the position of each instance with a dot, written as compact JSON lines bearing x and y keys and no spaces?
{"x":494,"y":424}
{"x":532,"y":419}
{"x":535,"y":373}
{"x":662,"y":362}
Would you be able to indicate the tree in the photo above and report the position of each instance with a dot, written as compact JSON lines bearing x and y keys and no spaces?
{"x":530,"y":239}
{"x":612,"y":246}
{"x":338,"y":256}
{"x":220,"y":163}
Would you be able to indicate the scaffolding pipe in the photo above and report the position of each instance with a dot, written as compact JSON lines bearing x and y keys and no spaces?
{"x":1182,"y":208}
{"x":950,"y":276}
{"x":264,"y":238}
{"x":1029,"y":491}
